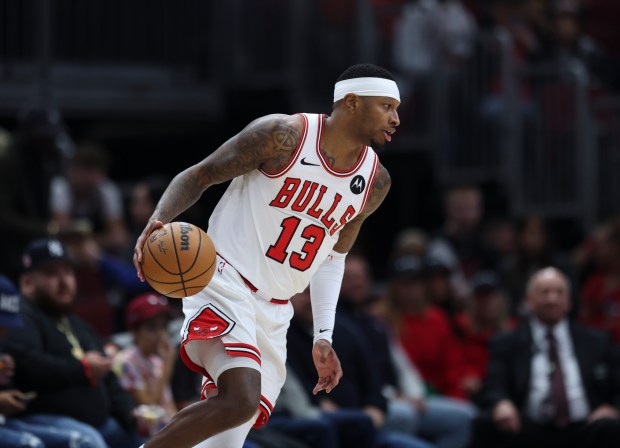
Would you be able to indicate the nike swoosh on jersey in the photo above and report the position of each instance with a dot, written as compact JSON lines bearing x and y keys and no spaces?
{"x":323,"y":330}
{"x":303,"y":162}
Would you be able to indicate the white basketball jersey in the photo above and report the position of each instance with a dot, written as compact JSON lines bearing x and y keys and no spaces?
{"x":277,"y":228}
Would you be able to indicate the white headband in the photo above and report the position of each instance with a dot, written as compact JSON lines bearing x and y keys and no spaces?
{"x":366,"y":87}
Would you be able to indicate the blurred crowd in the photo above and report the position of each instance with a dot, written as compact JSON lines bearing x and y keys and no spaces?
{"x":91,"y":351}
{"x":479,"y":332}
{"x":420,"y":34}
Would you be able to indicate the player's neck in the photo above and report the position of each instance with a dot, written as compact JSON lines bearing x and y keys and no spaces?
{"x":339,"y":145}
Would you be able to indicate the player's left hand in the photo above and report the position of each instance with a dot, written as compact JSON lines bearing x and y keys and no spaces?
{"x":327,"y":366}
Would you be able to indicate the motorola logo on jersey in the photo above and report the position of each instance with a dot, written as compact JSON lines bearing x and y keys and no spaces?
{"x":358,"y":183}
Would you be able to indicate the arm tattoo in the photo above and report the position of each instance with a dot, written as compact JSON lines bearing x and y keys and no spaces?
{"x":380,"y":189}
{"x":349,"y":233}
{"x":330,"y":159}
{"x":284,"y":139}
{"x":267,"y":142}
{"x":181,"y":194}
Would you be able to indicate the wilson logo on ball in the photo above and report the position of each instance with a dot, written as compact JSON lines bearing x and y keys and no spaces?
{"x":185,"y":229}
{"x":175,"y":267}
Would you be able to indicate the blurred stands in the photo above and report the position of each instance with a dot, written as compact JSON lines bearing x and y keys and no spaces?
{"x":510,"y":95}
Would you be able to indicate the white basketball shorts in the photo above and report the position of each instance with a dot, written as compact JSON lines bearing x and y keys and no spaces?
{"x":251,"y":331}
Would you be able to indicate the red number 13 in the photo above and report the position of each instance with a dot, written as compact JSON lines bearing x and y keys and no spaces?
{"x":300,"y":261}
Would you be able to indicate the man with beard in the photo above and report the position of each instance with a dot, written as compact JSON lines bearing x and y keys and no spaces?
{"x":59,"y":356}
{"x":301,"y":187}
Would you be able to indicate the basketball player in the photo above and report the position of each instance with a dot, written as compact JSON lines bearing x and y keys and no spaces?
{"x":302,"y":186}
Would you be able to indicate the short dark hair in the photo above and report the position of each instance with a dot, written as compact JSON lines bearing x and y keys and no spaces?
{"x":365,"y":71}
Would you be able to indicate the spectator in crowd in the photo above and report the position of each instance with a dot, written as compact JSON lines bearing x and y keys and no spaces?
{"x":86,"y":197}
{"x":535,"y":250}
{"x":38,"y":153}
{"x":358,"y":390}
{"x":591,"y":252}
{"x":432,"y":33}
{"x":142,"y":201}
{"x":59,"y":356}
{"x":550,"y":382}
{"x":105,"y":283}
{"x":600,"y":297}
{"x":36,"y":430}
{"x":459,"y":242}
{"x":444,"y":421}
{"x":423,"y":329}
{"x":500,"y":236}
{"x":567,"y":44}
{"x":440,"y":289}
{"x":410,"y":241}
{"x":599,"y":22}
{"x":486,"y":316}
{"x":145,"y":368}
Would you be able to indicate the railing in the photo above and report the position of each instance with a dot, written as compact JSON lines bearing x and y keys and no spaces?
{"x":141,"y":55}
{"x":528,"y":130}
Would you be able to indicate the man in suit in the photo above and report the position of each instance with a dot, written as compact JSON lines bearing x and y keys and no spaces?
{"x":551,"y":383}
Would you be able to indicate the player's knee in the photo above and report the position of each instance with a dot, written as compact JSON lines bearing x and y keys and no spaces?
{"x":240,"y":389}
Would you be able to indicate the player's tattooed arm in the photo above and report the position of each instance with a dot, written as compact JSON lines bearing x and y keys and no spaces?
{"x":379,"y":191}
{"x":267,"y":142}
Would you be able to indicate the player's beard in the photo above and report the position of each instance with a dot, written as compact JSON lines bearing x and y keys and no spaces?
{"x":376,"y":145}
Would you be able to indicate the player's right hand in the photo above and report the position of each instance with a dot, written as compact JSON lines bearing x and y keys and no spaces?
{"x":327,"y":366}
{"x":137,"y":251}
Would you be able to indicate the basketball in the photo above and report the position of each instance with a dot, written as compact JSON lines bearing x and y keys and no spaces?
{"x":178,"y":259}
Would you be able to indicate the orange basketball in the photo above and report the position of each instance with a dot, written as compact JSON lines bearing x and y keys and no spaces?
{"x":178,"y":259}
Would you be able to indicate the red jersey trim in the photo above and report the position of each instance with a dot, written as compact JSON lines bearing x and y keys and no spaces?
{"x":207,"y":387}
{"x":245,"y":350}
{"x":333,"y":171}
{"x":265,"y":408}
{"x":294,"y":156}
{"x":189,"y":363}
{"x":371,"y":182}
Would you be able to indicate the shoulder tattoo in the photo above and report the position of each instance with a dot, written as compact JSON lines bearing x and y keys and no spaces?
{"x":379,"y":191}
{"x":276,"y":139}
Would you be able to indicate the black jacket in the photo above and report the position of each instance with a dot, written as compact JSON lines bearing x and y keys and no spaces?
{"x":509,"y":370}
{"x":44,"y":364}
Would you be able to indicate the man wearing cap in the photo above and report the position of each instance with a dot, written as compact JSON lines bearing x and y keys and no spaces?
{"x":486,"y":315}
{"x":444,"y":421}
{"x":145,"y":368}
{"x":422,"y":328}
{"x":58,"y":355}
{"x":17,"y":429}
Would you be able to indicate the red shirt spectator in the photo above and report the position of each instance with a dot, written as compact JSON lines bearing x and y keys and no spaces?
{"x":600,"y":303}
{"x":424,"y":330}
{"x":430,"y":343}
{"x":600,"y":297}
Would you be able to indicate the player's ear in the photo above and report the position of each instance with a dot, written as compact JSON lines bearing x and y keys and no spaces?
{"x":351,"y":102}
